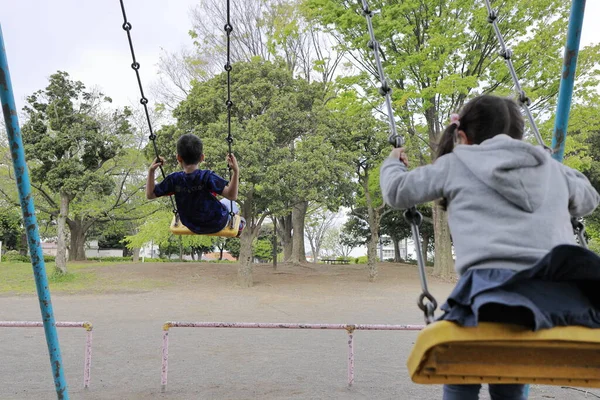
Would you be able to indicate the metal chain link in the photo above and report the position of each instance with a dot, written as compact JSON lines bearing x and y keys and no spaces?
{"x":228,"y":29}
{"x":385,"y":89}
{"x":426,"y":302}
{"x":506,"y":53}
{"x":143,"y":100}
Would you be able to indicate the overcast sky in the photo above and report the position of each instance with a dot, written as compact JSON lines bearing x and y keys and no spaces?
{"x":85,"y":38}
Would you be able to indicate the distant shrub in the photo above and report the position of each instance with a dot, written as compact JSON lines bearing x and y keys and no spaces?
{"x":361,"y":260}
{"x":110,"y":259}
{"x":14,"y":256}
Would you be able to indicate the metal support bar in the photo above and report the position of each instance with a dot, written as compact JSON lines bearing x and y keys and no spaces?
{"x":87,"y":362}
{"x":349,"y":328}
{"x":9,"y":110}
{"x":567,"y":81}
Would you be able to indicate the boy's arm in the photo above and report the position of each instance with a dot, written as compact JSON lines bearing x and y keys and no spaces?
{"x":150,"y":180}
{"x":583,"y":198}
{"x":230,"y":192}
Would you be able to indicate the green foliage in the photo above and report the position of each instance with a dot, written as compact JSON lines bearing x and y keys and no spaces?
{"x":110,"y":259}
{"x":280,"y":137}
{"x":361,"y":260}
{"x":69,"y":140}
{"x":15,"y":256}
{"x":263,"y":249}
{"x":58,"y":277}
{"x":10,"y":228}
{"x":437,"y":53}
{"x":155,"y":229}
{"x":232,"y":245}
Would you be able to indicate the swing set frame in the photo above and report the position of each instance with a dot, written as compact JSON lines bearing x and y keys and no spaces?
{"x":28,"y":209}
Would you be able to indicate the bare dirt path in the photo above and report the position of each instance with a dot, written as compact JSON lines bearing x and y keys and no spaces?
{"x":227,"y":363}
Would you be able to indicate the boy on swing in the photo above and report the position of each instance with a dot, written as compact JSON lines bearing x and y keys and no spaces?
{"x":195,"y":189}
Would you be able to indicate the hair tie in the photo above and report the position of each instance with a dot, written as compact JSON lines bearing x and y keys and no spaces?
{"x":455,"y":119}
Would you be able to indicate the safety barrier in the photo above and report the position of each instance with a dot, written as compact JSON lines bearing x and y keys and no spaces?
{"x":349,"y":328}
{"x":87,"y":365}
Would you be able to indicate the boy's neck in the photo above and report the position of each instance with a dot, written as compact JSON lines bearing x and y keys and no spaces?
{"x":188,"y":169}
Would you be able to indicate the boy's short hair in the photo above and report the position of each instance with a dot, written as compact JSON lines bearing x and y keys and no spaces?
{"x":189,"y":148}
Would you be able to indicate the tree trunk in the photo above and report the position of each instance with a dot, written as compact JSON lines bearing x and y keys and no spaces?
{"x":374,"y":228}
{"x":77,"y":248}
{"x":136,"y":254}
{"x":221,"y":253}
{"x":181,"y":249}
{"x":61,"y":233}
{"x":285,"y":233}
{"x":397,"y":257}
{"x":372,"y":254}
{"x":245,"y":267}
{"x":298,"y":218}
{"x":425,"y":246}
{"x":274,"y":243}
{"x":245,"y":279}
{"x":444,"y":264}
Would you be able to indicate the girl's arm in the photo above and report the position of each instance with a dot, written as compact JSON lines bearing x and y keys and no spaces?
{"x":403,"y":189}
{"x":583,"y":198}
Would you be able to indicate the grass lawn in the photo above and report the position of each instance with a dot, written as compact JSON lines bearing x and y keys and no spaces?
{"x":82,"y":277}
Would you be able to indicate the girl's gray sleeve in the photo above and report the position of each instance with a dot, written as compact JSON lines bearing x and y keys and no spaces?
{"x":403,"y":189}
{"x":583,"y":198}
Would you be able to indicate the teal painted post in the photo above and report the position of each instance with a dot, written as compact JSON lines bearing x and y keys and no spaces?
{"x":9,"y":110}
{"x":568,"y":79}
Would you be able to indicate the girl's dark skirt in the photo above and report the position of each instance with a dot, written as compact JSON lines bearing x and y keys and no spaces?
{"x":561,"y":289}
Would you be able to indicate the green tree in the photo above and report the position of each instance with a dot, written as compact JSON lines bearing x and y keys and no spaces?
{"x":272,"y":110}
{"x":72,"y":141}
{"x":439,"y":53}
{"x":155,"y":229}
{"x":397,"y":228}
{"x":11,"y":228}
{"x":275,"y":31}
{"x":362,"y":138}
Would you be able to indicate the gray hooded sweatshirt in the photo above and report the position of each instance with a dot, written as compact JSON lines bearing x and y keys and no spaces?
{"x":509,"y":202}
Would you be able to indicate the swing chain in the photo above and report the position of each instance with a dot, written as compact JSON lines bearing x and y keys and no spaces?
{"x":385,"y":89}
{"x":135,"y":65}
{"x":426,"y":302}
{"x":228,"y":103}
{"x":506,"y":53}
{"x":579,"y":230}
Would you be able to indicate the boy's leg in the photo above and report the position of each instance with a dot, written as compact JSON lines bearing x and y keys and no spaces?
{"x":227,"y":203}
{"x":242,"y":225}
{"x":508,"y":392}
{"x":461,"y":392}
{"x":236,"y":210}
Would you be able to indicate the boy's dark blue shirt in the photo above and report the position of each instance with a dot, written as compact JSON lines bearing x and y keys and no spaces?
{"x":198,"y":208}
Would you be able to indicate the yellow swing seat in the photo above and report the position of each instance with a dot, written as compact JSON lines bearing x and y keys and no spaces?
{"x":446,"y":353}
{"x":177,"y":228}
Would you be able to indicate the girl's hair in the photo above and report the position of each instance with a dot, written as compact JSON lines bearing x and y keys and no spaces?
{"x":480,"y":119}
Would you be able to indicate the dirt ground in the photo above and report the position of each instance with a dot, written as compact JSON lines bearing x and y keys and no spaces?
{"x":230,"y":363}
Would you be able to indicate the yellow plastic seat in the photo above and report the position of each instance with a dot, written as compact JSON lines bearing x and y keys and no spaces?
{"x":446,"y":353}
{"x":177,"y":228}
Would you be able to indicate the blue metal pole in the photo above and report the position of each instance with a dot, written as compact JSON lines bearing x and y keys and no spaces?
{"x":9,"y":110}
{"x":568,"y":79}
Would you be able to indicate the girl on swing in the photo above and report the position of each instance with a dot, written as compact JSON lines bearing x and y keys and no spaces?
{"x":509,"y":211}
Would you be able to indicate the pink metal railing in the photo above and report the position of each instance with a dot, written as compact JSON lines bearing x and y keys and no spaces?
{"x":87,"y":365}
{"x":349,"y":328}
